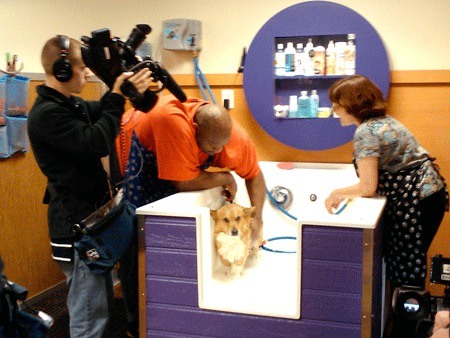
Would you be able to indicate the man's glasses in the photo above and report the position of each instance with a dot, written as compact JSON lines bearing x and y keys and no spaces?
{"x":208,"y":162}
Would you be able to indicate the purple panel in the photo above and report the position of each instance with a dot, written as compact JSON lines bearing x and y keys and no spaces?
{"x":330,"y":306}
{"x":331,"y":288}
{"x":331,"y":276}
{"x":315,"y":305}
{"x":309,"y":18}
{"x":170,"y":232}
{"x":171,"y":263}
{"x":172,"y":291}
{"x":332,"y":244}
{"x":189,"y":322}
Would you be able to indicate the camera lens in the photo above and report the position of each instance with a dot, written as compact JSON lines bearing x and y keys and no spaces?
{"x":411,"y":305}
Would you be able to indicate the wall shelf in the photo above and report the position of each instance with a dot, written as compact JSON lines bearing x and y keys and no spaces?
{"x":263,"y":89}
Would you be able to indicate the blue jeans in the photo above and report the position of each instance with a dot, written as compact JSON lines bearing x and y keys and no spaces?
{"x":89,"y":300}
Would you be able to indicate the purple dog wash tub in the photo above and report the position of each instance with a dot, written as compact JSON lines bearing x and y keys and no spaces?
{"x":320,"y":274}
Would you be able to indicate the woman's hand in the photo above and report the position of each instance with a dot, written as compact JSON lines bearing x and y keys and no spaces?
{"x":333,"y":201}
{"x":366,"y":187}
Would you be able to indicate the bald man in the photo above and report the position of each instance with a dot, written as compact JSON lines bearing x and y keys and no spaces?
{"x":170,"y":149}
{"x":179,"y":142}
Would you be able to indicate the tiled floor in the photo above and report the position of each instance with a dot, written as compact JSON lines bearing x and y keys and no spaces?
{"x":54,"y":304}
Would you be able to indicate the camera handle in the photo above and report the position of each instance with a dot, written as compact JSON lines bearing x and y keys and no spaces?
{"x":159,"y":74}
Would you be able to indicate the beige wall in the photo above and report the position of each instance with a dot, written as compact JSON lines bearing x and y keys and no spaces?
{"x":413,"y":31}
{"x":417,"y":98}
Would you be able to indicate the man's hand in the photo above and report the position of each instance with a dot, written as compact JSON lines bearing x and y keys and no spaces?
{"x":229,"y":192}
{"x":141,"y":81}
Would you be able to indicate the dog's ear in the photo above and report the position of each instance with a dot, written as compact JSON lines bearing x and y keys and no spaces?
{"x":250,"y":212}
{"x":213,"y":214}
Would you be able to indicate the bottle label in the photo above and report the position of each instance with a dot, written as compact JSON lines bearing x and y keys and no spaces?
{"x":290,"y":62}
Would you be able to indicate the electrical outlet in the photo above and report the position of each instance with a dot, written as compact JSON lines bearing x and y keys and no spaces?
{"x":228,"y":94}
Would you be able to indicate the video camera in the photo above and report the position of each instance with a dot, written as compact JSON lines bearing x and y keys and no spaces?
{"x":108,"y":57}
{"x":413,"y":303}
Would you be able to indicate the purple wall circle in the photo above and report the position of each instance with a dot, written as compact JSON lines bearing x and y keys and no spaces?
{"x":312,"y":18}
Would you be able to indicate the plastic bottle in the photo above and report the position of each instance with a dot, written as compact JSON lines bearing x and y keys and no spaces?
{"x":339,"y":68}
{"x":330,"y":58}
{"x":304,"y":105}
{"x":289,"y":57}
{"x":299,"y":56}
{"x":314,"y":98}
{"x":293,"y":106}
{"x":319,"y":60}
{"x":309,"y":58}
{"x":350,"y":55}
{"x":279,"y":60}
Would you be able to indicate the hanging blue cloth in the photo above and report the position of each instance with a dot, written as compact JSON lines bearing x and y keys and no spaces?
{"x":13,"y":136}
{"x":141,"y":183}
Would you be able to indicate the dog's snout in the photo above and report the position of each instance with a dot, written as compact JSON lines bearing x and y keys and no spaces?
{"x":234,"y":232}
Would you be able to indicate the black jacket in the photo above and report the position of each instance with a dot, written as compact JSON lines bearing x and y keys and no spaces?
{"x":69,"y":137}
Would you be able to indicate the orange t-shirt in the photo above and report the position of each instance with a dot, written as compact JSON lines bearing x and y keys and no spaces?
{"x":168,"y":131}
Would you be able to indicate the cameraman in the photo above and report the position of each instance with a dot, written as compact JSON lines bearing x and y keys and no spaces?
{"x":69,"y":136}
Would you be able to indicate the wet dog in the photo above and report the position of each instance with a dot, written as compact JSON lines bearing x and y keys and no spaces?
{"x":234,"y":236}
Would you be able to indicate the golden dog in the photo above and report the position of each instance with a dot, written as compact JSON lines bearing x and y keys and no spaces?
{"x":234,"y":236}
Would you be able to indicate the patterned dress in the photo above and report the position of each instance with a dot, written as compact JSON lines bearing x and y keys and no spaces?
{"x":407,"y":175}
{"x":141,"y":183}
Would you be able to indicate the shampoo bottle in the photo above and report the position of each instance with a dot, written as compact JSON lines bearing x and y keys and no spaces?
{"x":299,"y":56}
{"x":279,"y":60}
{"x":339,"y":68}
{"x":319,"y":60}
{"x":293,"y":106}
{"x":309,"y":58}
{"x":304,"y":105}
{"x":350,"y":55}
{"x":330,"y":58}
{"x":289,"y":57}
{"x":314,"y":98}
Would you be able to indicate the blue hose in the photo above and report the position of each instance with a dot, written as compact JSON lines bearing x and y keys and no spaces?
{"x":202,"y":82}
{"x":275,"y":239}
{"x":276,"y":204}
{"x":284,"y":211}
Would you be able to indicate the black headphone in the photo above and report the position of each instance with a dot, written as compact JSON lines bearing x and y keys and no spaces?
{"x":62,"y":69}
